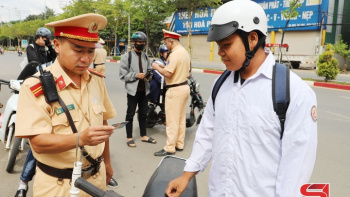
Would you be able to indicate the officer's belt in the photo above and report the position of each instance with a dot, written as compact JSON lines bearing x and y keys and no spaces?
{"x":86,"y":173}
{"x":175,"y":85}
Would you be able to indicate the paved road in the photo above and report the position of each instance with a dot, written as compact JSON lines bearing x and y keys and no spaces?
{"x":134,"y":166}
{"x":302,"y":72}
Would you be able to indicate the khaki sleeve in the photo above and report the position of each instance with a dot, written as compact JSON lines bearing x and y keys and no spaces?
{"x":107,"y":103}
{"x":33,"y":114}
{"x":172,"y":62}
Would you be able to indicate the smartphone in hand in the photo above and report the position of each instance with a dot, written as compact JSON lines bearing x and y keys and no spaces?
{"x":120,"y":125}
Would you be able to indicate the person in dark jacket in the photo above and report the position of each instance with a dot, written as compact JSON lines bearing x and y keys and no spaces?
{"x":133,"y":70}
{"x":41,"y":51}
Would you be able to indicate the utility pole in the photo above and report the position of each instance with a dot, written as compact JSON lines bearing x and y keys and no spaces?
{"x":129,"y":44}
{"x":321,"y":29}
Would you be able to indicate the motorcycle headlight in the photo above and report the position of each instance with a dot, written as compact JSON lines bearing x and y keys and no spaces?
{"x":197,"y":87}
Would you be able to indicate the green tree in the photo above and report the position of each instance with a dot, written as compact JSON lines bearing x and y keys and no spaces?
{"x":342,"y":49}
{"x":153,"y":14}
{"x":288,"y":14}
{"x":327,"y":65}
{"x":191,"y":6}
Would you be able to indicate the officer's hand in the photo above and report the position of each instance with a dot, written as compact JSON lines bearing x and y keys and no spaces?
{"x":141,"y":75}
{"x":176,"y":186}
{"x":94,"y":135}
{"x":155,"y":66}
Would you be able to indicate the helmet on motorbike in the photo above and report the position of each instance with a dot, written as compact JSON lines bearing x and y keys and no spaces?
{"x":44,"y":32}
{"x":242,"y":15}
{"x":139,"y":36}
{"x":162,"y":48}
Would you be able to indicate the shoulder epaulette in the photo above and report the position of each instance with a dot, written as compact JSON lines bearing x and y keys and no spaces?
{"x":95,"y":72}
{"x":37,"y":89}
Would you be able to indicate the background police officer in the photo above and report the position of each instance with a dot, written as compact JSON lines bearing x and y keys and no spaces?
{"x":176,"y":73}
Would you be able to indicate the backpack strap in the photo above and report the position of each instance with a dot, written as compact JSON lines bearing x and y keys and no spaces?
{"x":280,"y":92}
{"x":218,"y":85}
{"x":129,"y":58}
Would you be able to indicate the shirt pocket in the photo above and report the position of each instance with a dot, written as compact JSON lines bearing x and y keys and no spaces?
{"x":97,"y":115}
{"x":260,"y":126}
{"x":60,"y":121}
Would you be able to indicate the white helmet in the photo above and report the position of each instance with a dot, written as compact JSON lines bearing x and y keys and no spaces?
{"x":245,"y":15}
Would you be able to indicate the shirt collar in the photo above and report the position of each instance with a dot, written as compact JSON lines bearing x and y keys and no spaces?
{"x":62,"y":79}
{"x":266,"y":67}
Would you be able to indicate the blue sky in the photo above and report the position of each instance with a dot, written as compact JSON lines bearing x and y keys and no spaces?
{"x":20,"y":9}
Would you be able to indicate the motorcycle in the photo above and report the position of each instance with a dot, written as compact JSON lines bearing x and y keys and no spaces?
{"x":8,"y":120}
{"x":19,"y":52}
{"x":1,"y":50}
{"x":157,"y":116}
{"x":168,"y":169}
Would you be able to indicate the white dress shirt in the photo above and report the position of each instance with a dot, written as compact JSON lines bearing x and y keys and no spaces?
{"x":242,"y":138}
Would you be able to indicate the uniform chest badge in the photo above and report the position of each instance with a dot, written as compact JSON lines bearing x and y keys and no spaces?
{"x":60,"y":110}
{"x":314,"y":113}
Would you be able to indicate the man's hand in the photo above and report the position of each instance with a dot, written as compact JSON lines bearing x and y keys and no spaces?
{"x":94,"y":135}
{"x":177,"y":186}
{"x":155,"y":66}
{"x":141,"y":75}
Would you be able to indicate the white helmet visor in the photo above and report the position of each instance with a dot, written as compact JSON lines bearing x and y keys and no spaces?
{"x":218,"y":32}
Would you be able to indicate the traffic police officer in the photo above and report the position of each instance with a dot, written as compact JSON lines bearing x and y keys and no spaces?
{"x":47,"y":126}
{"x":100,"y":57}
{"x":176,"y":73}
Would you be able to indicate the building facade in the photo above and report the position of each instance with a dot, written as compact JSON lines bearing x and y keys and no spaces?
{"x":303,"y":34}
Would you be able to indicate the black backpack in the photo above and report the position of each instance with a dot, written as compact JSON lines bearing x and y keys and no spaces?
{"x":280,"y":91}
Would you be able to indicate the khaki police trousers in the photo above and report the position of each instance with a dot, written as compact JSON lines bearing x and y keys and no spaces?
{"x":45,"y":185}
{"x":175,"y":111}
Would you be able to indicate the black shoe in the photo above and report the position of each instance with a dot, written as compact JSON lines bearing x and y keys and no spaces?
{"x":178,"y":149}
{"x":21,"y":193}
{"x":162,"y":153}
{"x":113,"y":183}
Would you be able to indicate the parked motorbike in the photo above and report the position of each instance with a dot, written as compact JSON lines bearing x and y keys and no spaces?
{"x":19,"y":52}
{"x":156,"y":110}
{"x":169,"y":168}
{"x":8,"y":120}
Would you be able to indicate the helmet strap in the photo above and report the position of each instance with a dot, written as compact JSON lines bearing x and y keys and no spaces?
{"x":249,"y":54}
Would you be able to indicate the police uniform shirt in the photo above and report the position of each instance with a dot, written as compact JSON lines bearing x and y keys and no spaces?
{"x":242,"y":138}
{"x":178,"y":64}
{"x":100,"y":56}
{"x":88,"y":105}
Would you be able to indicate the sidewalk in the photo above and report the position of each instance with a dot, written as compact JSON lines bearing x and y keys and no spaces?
{"x":218,"y":68}
{"x":206,"y":67}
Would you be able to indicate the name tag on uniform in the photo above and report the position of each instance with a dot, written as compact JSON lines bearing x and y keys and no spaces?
{"x":60,"y":110}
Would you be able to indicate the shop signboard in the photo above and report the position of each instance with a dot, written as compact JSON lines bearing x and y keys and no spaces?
{"x":309,"y":18}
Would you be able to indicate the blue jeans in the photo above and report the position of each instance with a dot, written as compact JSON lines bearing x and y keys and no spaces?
{"x":29,"y":167}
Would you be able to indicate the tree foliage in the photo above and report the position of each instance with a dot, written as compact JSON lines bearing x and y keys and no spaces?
{"x":328,"y":65}
{"x":191,"y":6}
{"x":145,"y":15}
{"x":342,"y":48}
{"x":288,"y":14}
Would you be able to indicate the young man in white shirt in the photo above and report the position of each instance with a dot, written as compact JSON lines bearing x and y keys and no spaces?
{"x":241,"y":133}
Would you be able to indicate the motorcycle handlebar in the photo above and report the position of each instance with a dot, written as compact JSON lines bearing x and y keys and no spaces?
{"x":92,"y":190}
{"x":2,"y":81}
